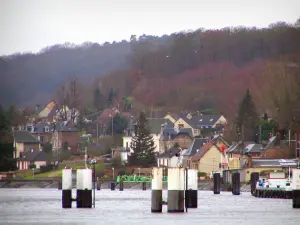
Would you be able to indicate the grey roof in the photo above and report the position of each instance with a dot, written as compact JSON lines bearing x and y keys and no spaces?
{"x":175,"y":115}
{"x":170,"y":153}
{"x":155,"y":124}
{"x":202,"y":120}
{"x":239,"y":147}
{"x":253,"y":148}
{"x":171,"y":133}
{"x":274,"y":163}
{"x":34,"y":155}
{"x":24,"y":137}
{"x":272,"y":143}
{"x":196,"y":145}
{"x":64,"y":127}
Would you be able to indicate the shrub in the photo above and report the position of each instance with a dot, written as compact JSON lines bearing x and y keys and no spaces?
{"x":32,"y":166}
{"x":105,"y":177}
{"x":201,"y":174}
{"x":121,"y":172}
{"x":47,"y":168}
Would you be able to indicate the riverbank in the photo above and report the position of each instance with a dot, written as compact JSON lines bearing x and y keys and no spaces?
{"x":202,"y":185}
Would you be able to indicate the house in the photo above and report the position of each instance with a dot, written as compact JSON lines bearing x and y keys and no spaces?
{"x":48,"y":114}
{"x":200,"y":122}
{"x":208,"y":158}
{"x":170,"y":158}
{"x":237,"y":149}
{"x":173,"y":136}
{"x":24,"y":142}
{"x":155,"y":125}
{"x":32,"y":157}
{"x":122,"y":153}
{"x":173,"y":117}
{"x":65,"y":133}
{"x":41,"y":131}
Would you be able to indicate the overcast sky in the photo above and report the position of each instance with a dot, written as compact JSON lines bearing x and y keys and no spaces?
{"x":29,"y":25}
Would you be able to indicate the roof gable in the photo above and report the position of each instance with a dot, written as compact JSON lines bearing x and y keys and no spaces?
{"x":24,"y":137}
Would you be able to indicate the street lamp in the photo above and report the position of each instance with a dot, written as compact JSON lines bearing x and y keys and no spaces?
{"x":33,"y":173}
{"x":139,"y":171}
{"x":113,"y":169}
{"x":94,"y":162}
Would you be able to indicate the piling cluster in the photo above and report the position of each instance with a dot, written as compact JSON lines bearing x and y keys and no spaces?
{"x":84,"y":186}
{"x":296,"y":188}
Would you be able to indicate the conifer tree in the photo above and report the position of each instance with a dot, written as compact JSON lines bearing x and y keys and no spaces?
{"x":247,"y":118}
{"x":142,"y":144}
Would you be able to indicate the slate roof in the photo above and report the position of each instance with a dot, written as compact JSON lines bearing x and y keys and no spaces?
{"x":253,"y":148}
{"x":272,"y":143}
{"x":239,"y":147}
{"x":24,"y":137}
{"x":198,"y":121}
{"x":274,"y":163}
{"x":34,"y":155}
{"x":195,"y":146}
{"x":155,"y":124}
{"x":171,"y":133}
{"x":170,"y":153}
{"x":202,"y":151}
{"x":64,"y":126}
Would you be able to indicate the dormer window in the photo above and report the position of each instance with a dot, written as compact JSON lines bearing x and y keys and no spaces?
{"x":29,"y":128}
{"x":46,"y":129}
{"x":200,"y":120}
{"x":211,"y":120}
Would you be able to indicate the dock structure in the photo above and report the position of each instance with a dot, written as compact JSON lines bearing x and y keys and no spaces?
{"x":275,"y":186}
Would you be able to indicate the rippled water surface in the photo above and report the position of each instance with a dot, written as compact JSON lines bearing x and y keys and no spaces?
{"x":43,"y":206}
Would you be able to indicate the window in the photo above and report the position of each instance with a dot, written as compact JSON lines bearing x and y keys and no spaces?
{"x":41,"y":138}
{"x":29,"y":128}
{"x":180,"y":126}
{"x":46,"y":129}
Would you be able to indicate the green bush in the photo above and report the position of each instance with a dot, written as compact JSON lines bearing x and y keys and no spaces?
{"x":32,"y":166}
{"x":105,"y":177}
{"x":201,"y":174}
{"x":121,"y":172}
{"x":47,"y":168}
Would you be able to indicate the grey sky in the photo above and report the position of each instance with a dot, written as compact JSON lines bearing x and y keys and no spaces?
{"x":29,"y":25}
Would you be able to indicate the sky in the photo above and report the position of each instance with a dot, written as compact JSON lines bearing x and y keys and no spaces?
{"x":30,"y":25}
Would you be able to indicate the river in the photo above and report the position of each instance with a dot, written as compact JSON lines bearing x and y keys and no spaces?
{"x":43,"y":206}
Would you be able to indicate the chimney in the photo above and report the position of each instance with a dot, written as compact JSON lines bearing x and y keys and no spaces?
{"x":249,"y":161}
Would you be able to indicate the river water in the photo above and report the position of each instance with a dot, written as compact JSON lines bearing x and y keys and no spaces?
{"x":43,"y":206}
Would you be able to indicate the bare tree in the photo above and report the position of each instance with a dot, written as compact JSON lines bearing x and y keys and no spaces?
{"x":63,"y":101}
{"x":74,"y":99}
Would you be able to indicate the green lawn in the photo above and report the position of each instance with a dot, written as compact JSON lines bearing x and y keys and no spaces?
{"x":58,"y":173}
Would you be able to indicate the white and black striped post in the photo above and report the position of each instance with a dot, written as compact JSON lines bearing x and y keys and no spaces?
{"x":84,"y":187}
{"x":156,"y":186}
{"x":67,"y":188}
{"x":191,"y":194}
{"x":176,"y":185}
{"x":296,"y":188}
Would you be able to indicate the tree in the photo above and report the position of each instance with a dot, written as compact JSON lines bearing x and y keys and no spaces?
{"x":98,"y":99}
{"x":127,"y":103}
{"x":247,"y":118}
{"x":116,"y":162}
{"x":111,"y":97}
{"x":142,"y":144}
{"x":119,"y":124}
{"x":7,"y":161}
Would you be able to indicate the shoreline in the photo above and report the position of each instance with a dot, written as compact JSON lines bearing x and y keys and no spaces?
{"x":53,"y":184}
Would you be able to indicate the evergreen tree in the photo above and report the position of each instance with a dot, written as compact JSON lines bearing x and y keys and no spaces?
{"x":142,"y":144}
{"x":111,"y":97}
{"x":247,"y":118}
{"x":98,"y":99}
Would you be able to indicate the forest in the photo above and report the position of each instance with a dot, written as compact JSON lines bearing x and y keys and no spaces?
{"x":184,"y":71}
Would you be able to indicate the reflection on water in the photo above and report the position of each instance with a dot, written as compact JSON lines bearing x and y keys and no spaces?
{"x":43,"y":206}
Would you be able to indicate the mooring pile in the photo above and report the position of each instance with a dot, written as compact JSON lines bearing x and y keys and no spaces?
{"x":84,"y":186}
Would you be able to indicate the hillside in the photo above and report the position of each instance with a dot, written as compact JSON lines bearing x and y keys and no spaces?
{"x":208,"y":68}
{"x":183,"y":71}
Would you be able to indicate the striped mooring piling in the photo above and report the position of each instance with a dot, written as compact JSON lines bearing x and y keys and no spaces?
{"x":254,"y":178}
{"x":191,"y":194}
{"x":121,"y":186}
{"x":112,"y":186}
{"x":236,"y":184}
{"x":98,"y":184}
{"x":176,"y":190}
{"x":156,"y":186}
{"x":67,"y":188}
{"x":144,"y":187}
{"x":84,"y":187}
{"x":217,"y":183}
{"x":296,"y":188}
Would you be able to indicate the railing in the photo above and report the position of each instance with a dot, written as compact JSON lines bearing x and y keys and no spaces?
{"x":137,"y":179}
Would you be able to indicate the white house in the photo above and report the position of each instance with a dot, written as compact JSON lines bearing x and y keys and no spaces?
{"x":171,"y":158}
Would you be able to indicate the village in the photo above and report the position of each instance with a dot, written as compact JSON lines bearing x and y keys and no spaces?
{"x":51,"y":139}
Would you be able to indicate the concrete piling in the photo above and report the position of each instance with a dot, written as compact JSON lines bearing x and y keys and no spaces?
{"x":296,"y":188}
{"x":84,"y":186}
{"x":176,"y":190}
{"x":121,"y":186}
{"x":217,"y":183}
{"x":236,"y":184}
{"x":156,"y":186}
{"x":112,"y":186}
{"x":98,"y":184}
{"x":67,"y":188}
{"x":254,"y":179}
{"x":144,"y":187}
{"x":191,"y":194}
